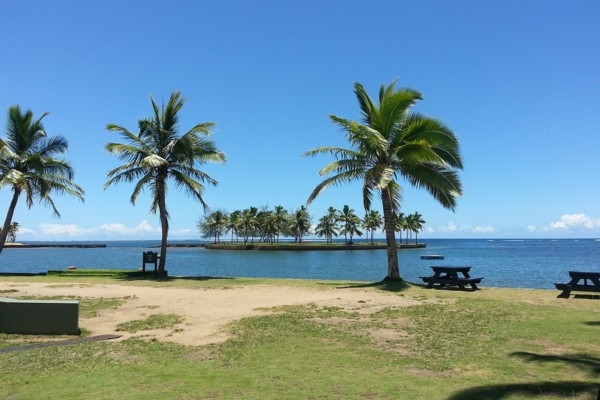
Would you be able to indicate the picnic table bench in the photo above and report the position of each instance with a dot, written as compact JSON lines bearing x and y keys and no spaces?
{"x":449,"y":276}
{"x":590,"y":283}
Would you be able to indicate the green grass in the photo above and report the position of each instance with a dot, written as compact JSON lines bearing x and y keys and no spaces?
{"x":155,"y":321}
{"x":490,"y":344}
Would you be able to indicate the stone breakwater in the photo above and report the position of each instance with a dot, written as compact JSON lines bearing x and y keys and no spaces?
{"x":33,"y":246}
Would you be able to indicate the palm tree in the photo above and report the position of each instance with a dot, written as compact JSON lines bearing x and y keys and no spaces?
{"x":350,"y":223}
{"x":415,"y":223}
{"x":279,"y":218}
{"x":266,"y":226}
{"x":12,"y":232}
{"x":157,"y":153}
{"x":234,"y":224}
{"x":28,"y":165}
{"x":213,"y":225}
{"x":399,"y":224}
{"x":249,"y":223}
{"x":327,"y":225}
{"x":372,"y":222}
{"x":391,"y":143}
{"x":299,"y":223}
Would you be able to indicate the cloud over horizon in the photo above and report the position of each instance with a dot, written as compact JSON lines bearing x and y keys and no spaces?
{"x":569,"y":222}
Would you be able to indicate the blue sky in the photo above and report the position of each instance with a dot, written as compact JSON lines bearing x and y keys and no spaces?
{"x":517,"y":81}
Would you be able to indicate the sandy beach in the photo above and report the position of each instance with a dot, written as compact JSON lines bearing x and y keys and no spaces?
{"x":205,"y":311}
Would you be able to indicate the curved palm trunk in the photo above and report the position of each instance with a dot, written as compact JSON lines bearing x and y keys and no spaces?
{"x":9,"y":217}
{"x":390,"y":236}
{"x":164,"y":224}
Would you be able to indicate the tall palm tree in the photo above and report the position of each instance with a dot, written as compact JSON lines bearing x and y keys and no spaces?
{"x":399,"y":224}
{"x":391,"y":143}
{"x":372,"y":222}
{"x":279,"y":218}
{"x":234,"y":224}
{"x":28,"y":165}
{"x":350,"y":223}
{"x":299,"y":223}
{"x":415,"y":223}
{"x":157,"y":153}
{"x":328,"y":225}
{"x":249,"y":223}
{"x":266,"y":226}
{"x":213,"y":225}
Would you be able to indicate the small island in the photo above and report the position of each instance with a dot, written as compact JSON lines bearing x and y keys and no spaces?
{"x":306,"y":246}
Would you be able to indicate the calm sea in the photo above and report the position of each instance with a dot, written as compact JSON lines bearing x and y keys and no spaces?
{"x":502,"y":263}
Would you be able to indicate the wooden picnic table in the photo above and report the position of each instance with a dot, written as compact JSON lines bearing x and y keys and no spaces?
{"x":590,"y":282}
{"x":449,"y":276}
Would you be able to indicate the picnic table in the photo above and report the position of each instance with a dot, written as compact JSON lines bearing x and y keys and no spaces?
{"x":590,"y":282}
{"x":449,"y":276}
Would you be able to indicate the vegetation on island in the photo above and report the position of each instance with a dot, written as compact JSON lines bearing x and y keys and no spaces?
{"x":253,"y":225}
{"x":392,"y":142}
{"x":158,"y":153}
{"x":29,"y":165}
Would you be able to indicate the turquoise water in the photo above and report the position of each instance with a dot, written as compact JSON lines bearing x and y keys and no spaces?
{"x":502,"y":263}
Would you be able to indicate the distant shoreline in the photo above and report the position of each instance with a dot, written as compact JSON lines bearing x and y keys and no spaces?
{"x":307,"y":246}
{"x":33,"y":246}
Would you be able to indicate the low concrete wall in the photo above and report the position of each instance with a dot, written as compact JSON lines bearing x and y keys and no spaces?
{"x":39,"y":317}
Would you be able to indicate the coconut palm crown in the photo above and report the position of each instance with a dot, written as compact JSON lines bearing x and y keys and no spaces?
{"x":29,"y":165}
{"x":157,"y":153}
{"x":391,"y":143}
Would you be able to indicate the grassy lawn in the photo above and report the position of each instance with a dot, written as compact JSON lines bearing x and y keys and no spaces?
{"x":490,"y":344}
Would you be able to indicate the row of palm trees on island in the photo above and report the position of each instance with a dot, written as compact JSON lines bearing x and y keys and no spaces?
{"x":390,"y":143}
{"x":268,"y":226}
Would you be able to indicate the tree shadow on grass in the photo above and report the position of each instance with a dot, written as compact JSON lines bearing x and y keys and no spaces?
{"x":582,"y":361}
{"x":561,"y":389}
{"x":388,"y":285}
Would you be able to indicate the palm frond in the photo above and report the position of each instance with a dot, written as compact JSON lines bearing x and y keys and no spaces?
{"x":355,"y":166}
{"x":338,"y":179}
{"x":369,"y":110}
{"x":442,"y":183}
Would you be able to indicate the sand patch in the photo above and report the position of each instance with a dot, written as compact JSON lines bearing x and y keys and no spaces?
{"x":205,"y":312}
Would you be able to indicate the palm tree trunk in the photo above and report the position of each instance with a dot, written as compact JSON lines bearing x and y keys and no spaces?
{"x":9,"y":217}
{"x":390,"y":236}
{"x":164,"y":224}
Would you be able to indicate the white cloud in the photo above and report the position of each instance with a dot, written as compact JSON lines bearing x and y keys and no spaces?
{"x":569,"y":221}
{"x":121,"y":229}
{"x":451,"y":227}
{"x":70,"y":230}
{"x":484,"y":229}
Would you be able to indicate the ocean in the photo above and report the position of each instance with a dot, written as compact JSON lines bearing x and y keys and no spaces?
{"x":529,"y":263}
